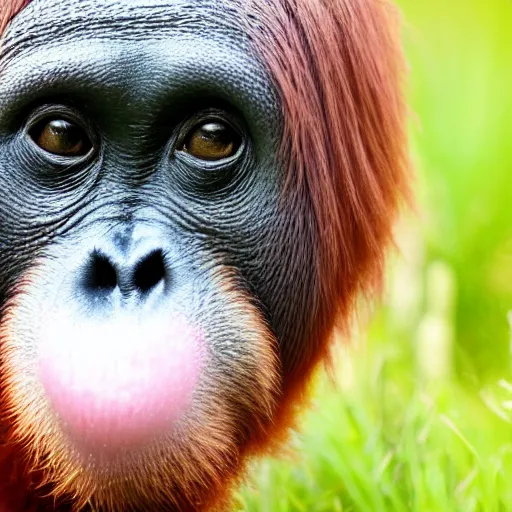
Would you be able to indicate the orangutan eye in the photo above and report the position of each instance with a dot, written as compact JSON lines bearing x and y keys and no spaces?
{"x":61,"y":137}
{"x":213,"y":140}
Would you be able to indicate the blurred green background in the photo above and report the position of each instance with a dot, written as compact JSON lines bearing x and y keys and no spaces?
{"x":419,"y":414}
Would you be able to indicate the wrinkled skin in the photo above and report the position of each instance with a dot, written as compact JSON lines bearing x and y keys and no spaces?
{"x":215,"y":313}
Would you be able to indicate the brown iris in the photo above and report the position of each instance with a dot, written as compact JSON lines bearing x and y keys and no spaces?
{"x":61,"y":137}
{"x":212,"y":141}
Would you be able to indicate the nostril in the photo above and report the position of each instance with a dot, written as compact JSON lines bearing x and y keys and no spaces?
{"x":101,"y":274}
{"x":150,"y":271}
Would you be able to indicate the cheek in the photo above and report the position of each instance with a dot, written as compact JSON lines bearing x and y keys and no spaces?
{"x":144,"y":413}
{"x":122,"y":382}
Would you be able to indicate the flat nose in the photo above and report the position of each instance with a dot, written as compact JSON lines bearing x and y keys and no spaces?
{"x":132,"y":274}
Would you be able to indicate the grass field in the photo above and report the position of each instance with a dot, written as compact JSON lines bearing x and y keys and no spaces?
{"x":419,"y":414}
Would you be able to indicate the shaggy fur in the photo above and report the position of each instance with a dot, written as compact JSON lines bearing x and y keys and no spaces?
{"x":338,"y":67}
{"x":8,"y":9}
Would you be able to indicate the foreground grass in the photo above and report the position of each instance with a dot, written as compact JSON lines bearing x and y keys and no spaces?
{"x":380,"y":444}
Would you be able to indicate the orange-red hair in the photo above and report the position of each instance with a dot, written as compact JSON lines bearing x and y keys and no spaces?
{"x":339,"y":68}
{"x":8,"y":9}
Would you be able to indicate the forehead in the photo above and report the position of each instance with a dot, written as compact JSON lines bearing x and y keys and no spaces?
{"x":136,"y":53}
{"x":45,"y":22}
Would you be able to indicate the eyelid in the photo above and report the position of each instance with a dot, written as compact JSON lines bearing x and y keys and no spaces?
{"x":56,"y":112}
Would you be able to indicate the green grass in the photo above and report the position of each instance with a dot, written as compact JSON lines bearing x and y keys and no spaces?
{"x":376,"y":448}
{"x":419,"y":416}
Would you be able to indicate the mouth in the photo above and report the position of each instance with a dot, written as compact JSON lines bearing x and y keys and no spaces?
{"x":119,"y":384}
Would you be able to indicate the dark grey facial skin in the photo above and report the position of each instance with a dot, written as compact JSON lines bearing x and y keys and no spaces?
{"x":137,"y":76}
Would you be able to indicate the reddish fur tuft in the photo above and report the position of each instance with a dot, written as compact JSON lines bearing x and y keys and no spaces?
{"x":9,"y":9}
